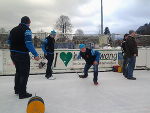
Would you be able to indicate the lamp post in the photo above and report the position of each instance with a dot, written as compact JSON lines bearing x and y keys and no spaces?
{"x":101,"y":16}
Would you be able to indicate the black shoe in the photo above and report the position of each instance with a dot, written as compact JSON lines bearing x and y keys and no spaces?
{"x":82,"y":76}
{"x":132,"y":78}
{"x":95,"y":83}
{"x":26,"y":95}
{"x":46,"y":76}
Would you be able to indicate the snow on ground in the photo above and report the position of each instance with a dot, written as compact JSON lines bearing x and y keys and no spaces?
{"x":70,"y":94}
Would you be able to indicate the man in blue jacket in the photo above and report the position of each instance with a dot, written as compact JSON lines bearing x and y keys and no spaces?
{"x":91,"y":57}
{"x":48,"y":49}
{"x":20,"y":40}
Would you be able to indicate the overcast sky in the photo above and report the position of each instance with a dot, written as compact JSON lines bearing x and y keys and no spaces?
{"x":119,"y":15}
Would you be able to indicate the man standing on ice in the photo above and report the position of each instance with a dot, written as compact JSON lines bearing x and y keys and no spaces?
{"x":91,"y":57}
{"x":20,"y":40}
{"x":132,"y":53}
{"x":48,"y":49}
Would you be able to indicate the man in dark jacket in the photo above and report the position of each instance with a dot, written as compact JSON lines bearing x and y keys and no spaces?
{"x":132,"y":52}
{"x":48,"y":49}
{"x":91,"y":57}
{"x":124,"y":52}
{"x":20,"y":40}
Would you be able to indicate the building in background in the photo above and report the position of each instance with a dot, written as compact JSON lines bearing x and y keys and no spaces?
{"x":72,"y":41}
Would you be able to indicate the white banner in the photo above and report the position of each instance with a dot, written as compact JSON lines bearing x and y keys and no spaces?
{"x":64,"y":60}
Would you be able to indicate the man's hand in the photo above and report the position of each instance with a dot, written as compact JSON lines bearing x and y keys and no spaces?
{"x":135,"y":54}
{"x":37,"y":58}
{"x":95,"y":62}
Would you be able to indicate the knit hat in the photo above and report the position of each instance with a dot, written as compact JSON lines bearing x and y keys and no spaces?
{"x":82,"y":46}
{"x":53,"y":32}
{"x":25,"y":20}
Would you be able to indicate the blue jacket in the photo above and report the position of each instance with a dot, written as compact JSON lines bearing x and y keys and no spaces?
{"x":89,"y":56}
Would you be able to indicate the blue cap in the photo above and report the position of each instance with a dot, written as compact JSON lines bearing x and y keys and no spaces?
{"x":82,"y":46}
{"x":53,"y":32}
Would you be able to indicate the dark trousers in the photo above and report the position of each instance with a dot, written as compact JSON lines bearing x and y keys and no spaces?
{"x":130,"y":66}
{"x":22,"y":65}
{"x":95,"y":68}
{"x":50,"y":58}
{"x":125,"y":61}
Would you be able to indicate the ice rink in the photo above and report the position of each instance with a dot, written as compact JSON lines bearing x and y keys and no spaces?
{"x":70,"y":94}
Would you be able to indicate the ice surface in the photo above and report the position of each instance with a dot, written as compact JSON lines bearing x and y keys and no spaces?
{"x":70,"y":94}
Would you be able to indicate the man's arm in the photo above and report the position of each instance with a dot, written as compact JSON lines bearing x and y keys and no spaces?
{"x":97,"y":54}
{"x":44,"y":45}
{"x":29,"y":44}
{"x":135,"y":49}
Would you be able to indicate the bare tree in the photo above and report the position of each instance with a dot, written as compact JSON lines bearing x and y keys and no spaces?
{"x":64,"y":24}
{"x":79,"y":32}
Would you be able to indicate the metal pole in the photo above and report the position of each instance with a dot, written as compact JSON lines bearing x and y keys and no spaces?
{"x":101,"y":16}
